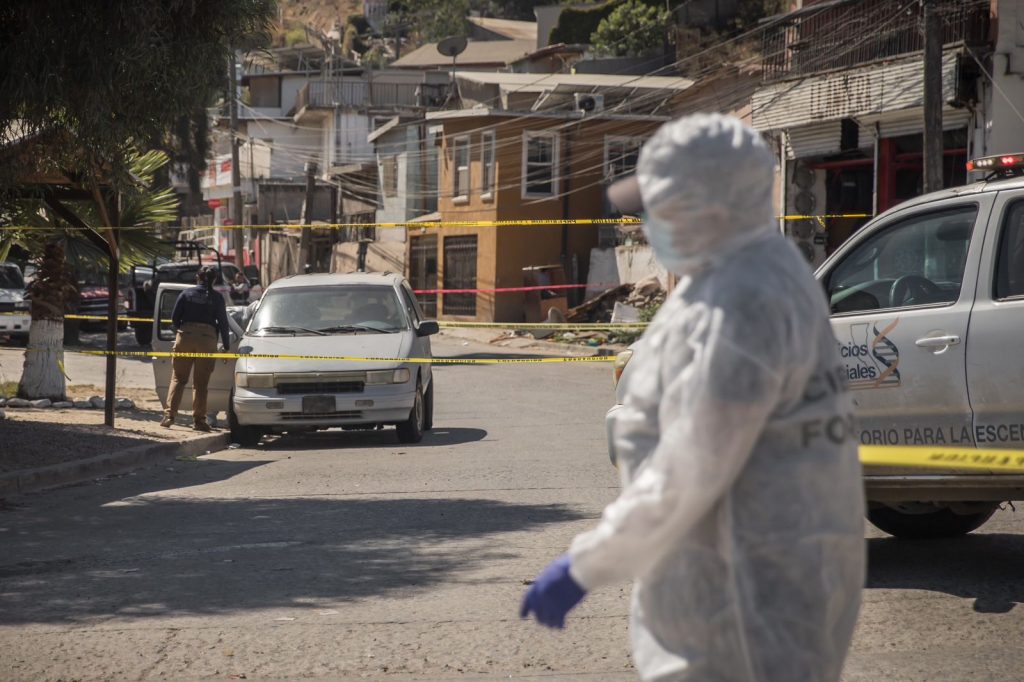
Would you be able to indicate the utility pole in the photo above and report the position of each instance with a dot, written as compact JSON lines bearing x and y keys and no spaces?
{"x":932,"y":26}
{"x":307,"y":217}
{"x":236,"y":171}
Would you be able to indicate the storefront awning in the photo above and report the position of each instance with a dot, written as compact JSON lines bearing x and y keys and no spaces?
{"x":852,"y":93}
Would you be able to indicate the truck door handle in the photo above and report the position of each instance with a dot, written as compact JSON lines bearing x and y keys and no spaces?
{"x":938,"y":341}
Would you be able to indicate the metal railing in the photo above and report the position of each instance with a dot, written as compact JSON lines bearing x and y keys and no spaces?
{"x":852,"y":33}
{"x":361,"y":94}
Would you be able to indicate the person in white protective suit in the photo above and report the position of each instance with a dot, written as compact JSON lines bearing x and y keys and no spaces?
{"x":741,"y":513}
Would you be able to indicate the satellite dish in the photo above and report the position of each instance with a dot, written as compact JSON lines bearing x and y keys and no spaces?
{"x":452,"y":46}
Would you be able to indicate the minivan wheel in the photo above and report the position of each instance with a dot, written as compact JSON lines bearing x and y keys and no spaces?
{"x":428,"y":419}
{"x":246,"y":436}
{"x":941,"y":523}
{"x":411,"y":430}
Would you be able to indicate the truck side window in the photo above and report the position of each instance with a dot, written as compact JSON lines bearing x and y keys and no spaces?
{"x":917,"y":261}
{"x":1010,"y":261}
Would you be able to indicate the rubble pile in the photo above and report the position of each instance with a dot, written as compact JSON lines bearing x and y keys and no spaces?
{"x":624,"y":303}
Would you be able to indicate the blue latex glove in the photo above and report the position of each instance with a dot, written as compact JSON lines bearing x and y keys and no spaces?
{"x":553,"y":594}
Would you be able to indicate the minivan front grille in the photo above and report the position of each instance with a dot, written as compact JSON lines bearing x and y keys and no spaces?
{"x":319,"y":387}
{"x":343,"y":414}
{"x":6,"y":307}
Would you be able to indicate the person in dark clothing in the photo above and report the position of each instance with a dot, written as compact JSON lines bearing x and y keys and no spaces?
{"x":199,"y":316}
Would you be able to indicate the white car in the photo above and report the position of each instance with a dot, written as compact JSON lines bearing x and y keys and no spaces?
{"x":927,"y":304}
{"x":14,"y":307}
{"x":328,"y":316}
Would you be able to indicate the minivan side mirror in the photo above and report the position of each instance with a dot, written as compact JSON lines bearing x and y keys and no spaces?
{"x":428,"y":328}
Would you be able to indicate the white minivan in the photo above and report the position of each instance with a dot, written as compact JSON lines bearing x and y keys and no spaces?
{"x":295,"y":376}
{"x":308,"y":341}
{"x":927,"y":304}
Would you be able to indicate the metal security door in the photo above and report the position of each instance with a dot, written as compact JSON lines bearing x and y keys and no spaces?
{"x":460,"y":273}
{"x":423,"y":271}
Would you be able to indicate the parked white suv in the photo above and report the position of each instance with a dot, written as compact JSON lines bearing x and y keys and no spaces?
{"x":14,"y":307}
{"x":330,"y":315}
{"x":927,"y":306}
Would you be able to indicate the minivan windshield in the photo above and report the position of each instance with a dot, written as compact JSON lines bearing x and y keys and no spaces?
{"x":323,"y":310}
{"x":10,"y":277}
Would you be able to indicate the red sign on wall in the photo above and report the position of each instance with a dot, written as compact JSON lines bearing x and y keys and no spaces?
{"x":214,"y":203}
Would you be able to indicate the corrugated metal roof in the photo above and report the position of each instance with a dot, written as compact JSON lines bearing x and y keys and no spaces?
{"x":478,"y":52}
{"x":510,"y":28}
{"x":872,"y":89}
{"x":813,"y":140}
{"x":573,"y":82}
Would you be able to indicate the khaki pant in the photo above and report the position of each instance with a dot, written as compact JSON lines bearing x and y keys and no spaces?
{"x":193,"y":337}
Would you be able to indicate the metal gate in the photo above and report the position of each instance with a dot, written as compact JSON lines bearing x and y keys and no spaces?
{"x":460,"y":273}
{"x":423,"y":271}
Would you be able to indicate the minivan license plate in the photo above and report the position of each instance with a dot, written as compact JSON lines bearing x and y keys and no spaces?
{"x":318,"y":404}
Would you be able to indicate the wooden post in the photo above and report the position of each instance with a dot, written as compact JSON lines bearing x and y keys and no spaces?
{"x":932,"y":97}
{"x":236,"y":172}
{"x":307,"y":217}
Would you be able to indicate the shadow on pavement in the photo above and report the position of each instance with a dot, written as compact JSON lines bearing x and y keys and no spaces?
{"x":115,"y":551}
{"x":338,"y":439}
{"x":984,"y":567}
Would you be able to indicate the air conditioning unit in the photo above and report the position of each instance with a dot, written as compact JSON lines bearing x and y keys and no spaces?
{"x":588,"y":102}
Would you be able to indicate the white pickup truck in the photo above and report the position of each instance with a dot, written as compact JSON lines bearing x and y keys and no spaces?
{"x":927,"y":305}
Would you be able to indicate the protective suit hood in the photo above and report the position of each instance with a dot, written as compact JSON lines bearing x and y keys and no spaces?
{"x":706,"y":182}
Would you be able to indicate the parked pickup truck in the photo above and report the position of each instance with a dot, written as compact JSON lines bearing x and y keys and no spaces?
{"x":927,"y":306}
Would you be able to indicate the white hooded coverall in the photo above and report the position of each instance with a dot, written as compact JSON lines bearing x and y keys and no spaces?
{"x":741,"y":513}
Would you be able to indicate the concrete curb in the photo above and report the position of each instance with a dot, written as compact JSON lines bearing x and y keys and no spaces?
{"x":68,"y":473}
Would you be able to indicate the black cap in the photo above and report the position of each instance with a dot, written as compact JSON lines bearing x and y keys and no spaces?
{"x":207,"y":274}
{"x":625,"y":195}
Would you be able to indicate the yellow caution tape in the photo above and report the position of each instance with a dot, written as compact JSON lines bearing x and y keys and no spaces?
{"x":577,"y":326}
{"x":546,"y":222}
{"x":827,"y":216}
{"x":434,"y":224}
{"x":347,"y":358}
{"x":932,"y":457}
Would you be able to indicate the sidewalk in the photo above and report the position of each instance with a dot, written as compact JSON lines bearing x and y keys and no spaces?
{"x":43,"y":448}
{"x":504,"y":340}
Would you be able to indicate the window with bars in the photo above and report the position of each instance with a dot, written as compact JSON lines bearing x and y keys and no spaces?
{"x":620,"y":156}
{"x":540,"y":163}
{"x":460,"y":167}
{"x":389,"y":176}
{"x":487,"y":162}
{"x":460,"y":273}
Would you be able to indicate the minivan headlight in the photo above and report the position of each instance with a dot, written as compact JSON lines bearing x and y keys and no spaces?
{"x":21,"y":305}
{"x":621,"y":360}
{"x":247,"y":380}
{"x":388,"y":376}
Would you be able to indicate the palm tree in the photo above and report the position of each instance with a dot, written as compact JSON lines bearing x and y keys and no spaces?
{"x":47,"y":233}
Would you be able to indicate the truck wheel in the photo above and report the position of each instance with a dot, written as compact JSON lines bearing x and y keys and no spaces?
{"x":246,"y":436}
{"x":144,"y":334}
{"x":942,"y":523}
{"x":411,"y":430}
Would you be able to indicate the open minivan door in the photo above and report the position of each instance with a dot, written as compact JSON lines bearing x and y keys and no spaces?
{"x":223,"y":376}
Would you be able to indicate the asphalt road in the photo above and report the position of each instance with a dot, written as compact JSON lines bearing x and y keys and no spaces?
{"x":349,"y":556}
